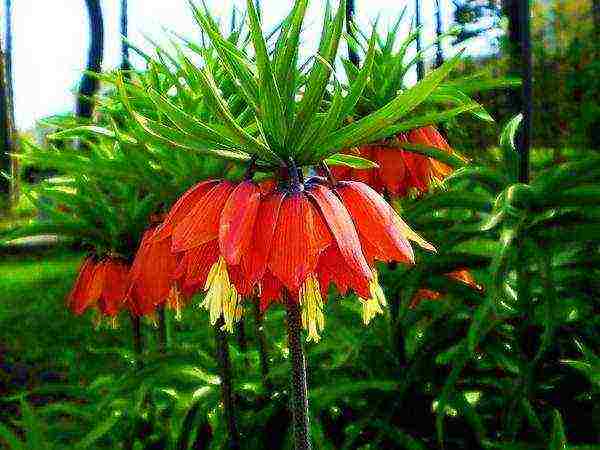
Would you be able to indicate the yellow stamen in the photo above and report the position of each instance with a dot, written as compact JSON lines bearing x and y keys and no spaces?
{"x":373,"y":305}
{"x":97,"y":320}
{"x":311,"y":303}
{"x":153,"y":319}
{"x":222,"y":299}
{"x":175,"y":302}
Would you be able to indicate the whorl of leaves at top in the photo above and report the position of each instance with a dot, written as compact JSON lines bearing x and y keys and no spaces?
{"x":264,"y":106}
{"x":392,"y":62}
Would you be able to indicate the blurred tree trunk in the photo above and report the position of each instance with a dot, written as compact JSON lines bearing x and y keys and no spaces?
{"x":596,"y":20}
{"x":420,"y":64}
{"x":350,"y":10}
{"x":258,"y":9}
{"x":439,"y":54}
{"x":7,"y":131}
{"x":89,"y":85}
{"x":519,"y":52}
{"x":125,"y":64}
{"x":511,"y":11}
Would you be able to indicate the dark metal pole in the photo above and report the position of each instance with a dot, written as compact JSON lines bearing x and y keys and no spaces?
{"x":227,"y":395}
{"x":299,"y":383}
{"x":420,"y":64}
{"x":526,"y":90}
{"x":350,"y":10}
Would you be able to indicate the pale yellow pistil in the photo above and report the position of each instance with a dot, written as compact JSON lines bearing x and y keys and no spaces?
{"x":222,"y":299}
{"x":175,"y":301}
{"x":311,"y":305}
{"x":375,"y":303}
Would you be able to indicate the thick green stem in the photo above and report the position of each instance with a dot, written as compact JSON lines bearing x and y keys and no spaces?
{"x":163,"y":341}
{"x":227,"y":395}
{"x":136,"y":328}
{"x":242,"y":340}
{"x":262,"y":346}
{"x":299,"y":383}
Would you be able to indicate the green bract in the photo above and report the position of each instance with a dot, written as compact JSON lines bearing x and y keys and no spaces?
{"x":264,"y":105}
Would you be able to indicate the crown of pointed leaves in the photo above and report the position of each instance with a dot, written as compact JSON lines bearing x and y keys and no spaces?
{"x":265,"y":105}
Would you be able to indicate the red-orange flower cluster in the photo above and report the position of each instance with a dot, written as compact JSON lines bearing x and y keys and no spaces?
{"x":461,"y":275}
{"x":102,"y":284}
{"x":151,"y":282}
{"x":234,"y":240}
{"x":400,"y":171}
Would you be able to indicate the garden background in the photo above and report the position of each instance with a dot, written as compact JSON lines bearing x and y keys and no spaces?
{"x":507,"y":359}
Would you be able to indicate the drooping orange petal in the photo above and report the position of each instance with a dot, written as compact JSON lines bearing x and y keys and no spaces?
{"x":381,"y":231}
{"x":267,"y":186}
{"x":237,"y":221}
{"x":300,"y":237}
{"x":151,"y":273}
{"x":466,"y":277}
{"x":201,"y":224}
{"x":365,"y":175}
{"x":77,"y":301}
{"x":423,"y":294}
{"x":243,"y":286}
{"x":182,"y":207}
{"x":419,"y":169}
{"x":333,"y":269}
{"x":254,"y":263}
{"x":114,"y":292}
{"x":342,"y":228}
{"x":194,"y":266}
{"x":341,"y":172}
{"x":431,"y":137}
{"x":392,"y":174}
{"x":97,"y":282}
{"x":434,"y":138}
{"x":138,"y":264}
{"x":271,"y":291}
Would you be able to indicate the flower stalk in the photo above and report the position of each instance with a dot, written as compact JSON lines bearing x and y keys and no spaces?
{"x":299,"y":383}
{"x":262,"y":346}
{"x":163,"y":339}
{"x":136,"y":328}
{"x":227,"y":395}
{"x":242,"y":340}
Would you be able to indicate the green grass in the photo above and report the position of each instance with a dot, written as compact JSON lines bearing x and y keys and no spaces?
{"x":40,"y":339}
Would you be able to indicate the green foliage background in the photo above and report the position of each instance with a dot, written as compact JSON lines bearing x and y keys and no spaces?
{"x":513,"y":367}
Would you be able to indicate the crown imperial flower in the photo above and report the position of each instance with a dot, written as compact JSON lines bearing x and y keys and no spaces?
{"x":401,"y":171}
{"x":277,"y":242}
{"x":151,"y":282}
{"x":101,"y":284}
